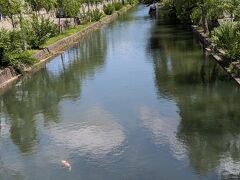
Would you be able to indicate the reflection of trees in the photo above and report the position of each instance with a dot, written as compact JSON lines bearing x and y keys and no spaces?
{"x":208,"y":103}
{"x":41,"y":94}
{"x":174,"y":51}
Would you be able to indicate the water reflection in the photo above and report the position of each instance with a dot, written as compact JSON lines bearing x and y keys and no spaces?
{"x":164,"y":128}
{"x":208,"y":104}
{"x":7,"y":173}
{"x":96,"y":135}
{"x":40,"y":95}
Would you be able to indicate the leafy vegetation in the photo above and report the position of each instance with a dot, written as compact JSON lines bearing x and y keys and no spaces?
{"x":96,"y":15}
{"x":12,"y":50}
{"x":38,"y":30}
{"x":227,"y":36}
{"x":117,"y":6}
{"x":11,"y":9}
{"x":108,"y":9}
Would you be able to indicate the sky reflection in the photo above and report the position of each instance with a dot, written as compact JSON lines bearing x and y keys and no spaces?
{"x":96,"y":135}
{"x":163,"y":128}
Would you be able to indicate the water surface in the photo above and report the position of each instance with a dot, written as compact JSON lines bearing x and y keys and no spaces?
{"x":137,"y":99}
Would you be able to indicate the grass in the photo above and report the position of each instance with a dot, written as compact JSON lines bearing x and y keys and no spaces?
{"x":32,"y":51}
{"x":65,"y":34}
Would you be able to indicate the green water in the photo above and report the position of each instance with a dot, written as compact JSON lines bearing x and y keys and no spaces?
{"x":137,"y":99}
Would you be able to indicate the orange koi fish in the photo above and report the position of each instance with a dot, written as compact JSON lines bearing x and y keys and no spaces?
{"x":66,"y":164}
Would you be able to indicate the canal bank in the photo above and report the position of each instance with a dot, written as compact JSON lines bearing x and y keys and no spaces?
{"x":230,"y":66}
{"x":9,"y":76}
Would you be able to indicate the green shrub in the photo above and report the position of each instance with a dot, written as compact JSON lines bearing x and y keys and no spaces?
{"x":108,"y":9}
{"x":37,"y":31}
{"x":24,"y":58}
{"x":117,"y":6}
{"x":13,"y":44}
{"x":19,"y":61}
{"x":227,"y":37}
{"x":96,"y":15}
{"x":10,"y":44}
{"x":5,"y":44}
{"x":196,"y":15}
{"x":12,"y":50}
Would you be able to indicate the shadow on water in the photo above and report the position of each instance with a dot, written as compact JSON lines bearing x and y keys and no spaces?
{"x":41,"y":94}
{"x":207,"y":98}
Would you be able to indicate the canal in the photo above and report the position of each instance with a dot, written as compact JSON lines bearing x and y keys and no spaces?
{"x":137,"y":99}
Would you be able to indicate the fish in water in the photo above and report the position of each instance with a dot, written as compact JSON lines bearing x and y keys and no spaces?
{"x":66,"y":164}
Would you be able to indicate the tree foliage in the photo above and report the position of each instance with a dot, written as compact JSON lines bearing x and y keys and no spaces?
{"x":37,"y":5}
{"x":70,"y":8}
{"x":11,"y":50}
{"x":37,"y":31}
{"x":203,"y":12}
{"x":12,"y":8}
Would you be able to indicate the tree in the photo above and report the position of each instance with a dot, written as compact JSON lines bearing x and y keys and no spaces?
{"x":204,"y":11}
{"x":12,"y":8}
{"x":37,"y":5}
{"x":70,"y":8}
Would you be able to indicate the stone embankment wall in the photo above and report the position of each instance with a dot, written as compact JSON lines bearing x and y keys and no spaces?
{"x":232,"y":68}
{"x":7,"y":75}
{"x":201,"y":36}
